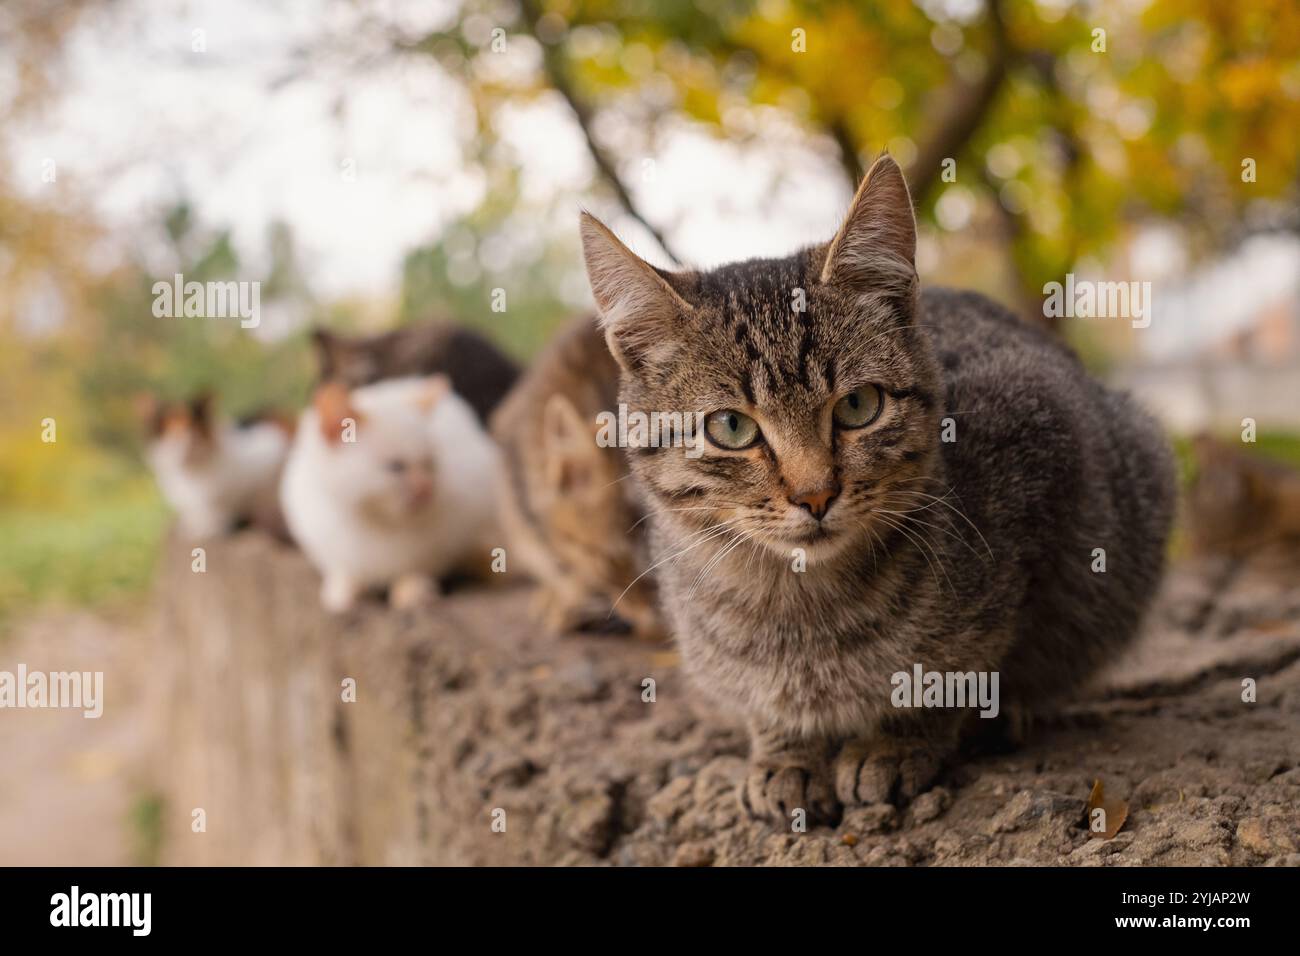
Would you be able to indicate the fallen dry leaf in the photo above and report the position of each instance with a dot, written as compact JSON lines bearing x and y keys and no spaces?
{"x":1115,"y":812}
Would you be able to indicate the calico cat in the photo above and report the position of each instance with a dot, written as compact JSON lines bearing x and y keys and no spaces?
{"x":480,"y":372}
{"x":388,"y":486}
{"x":569,"y":515}
{"x":215,"y":474}
{"x":892,"y":479}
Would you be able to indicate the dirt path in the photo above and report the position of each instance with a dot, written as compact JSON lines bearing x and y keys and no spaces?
{"x":72,"y":788}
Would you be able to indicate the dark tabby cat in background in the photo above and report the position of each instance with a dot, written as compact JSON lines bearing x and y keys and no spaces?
{"x":479,"y":371}
{"x":830,"y":537}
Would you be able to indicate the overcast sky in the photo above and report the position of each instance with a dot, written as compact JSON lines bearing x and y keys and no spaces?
{"x":142,"y":120}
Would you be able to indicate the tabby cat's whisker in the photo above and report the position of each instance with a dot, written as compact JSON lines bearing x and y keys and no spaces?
{"x":910,"y":516}
{"x":610,"y":484}
{"x":957,"y":511}
{"x":664,"y":511}
{"x":726,"y":549}
{"x":926,"y":548}
{"x":713,"y":530}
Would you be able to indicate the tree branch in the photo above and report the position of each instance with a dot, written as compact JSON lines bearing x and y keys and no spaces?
{"x":850,"y":158}
{"x":965,"y":112}
{"x":558,"y":76}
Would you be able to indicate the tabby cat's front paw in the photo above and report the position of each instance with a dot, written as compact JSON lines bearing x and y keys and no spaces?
{"x":878,"y":770}
{"x":773,"y":790}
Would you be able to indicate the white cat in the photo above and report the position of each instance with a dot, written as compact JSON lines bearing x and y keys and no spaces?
{"x":390,"y":485}
{"x":214,"y":473}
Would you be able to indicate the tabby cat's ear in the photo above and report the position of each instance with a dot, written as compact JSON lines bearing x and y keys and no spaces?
{"x":638,"y":308}
{"x":875,"y":249}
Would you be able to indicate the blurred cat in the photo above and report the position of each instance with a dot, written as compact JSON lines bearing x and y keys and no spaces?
{"x":389,"y":485}
{"x":480,"y":372}
{"x":569,"y":517}
{"x":216,"y":474}
{"x":1238,"y":502}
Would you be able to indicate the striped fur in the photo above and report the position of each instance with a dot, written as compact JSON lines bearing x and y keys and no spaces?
{"x":568,"y":512}
{"x":967,"y":555}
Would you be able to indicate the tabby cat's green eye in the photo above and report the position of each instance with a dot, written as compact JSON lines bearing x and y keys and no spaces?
{"x":731,"y":429}
{"x":859,"y":408}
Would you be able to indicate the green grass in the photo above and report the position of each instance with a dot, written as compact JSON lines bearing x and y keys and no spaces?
{"x":146,"y":825}
{"x":84,"y":556}
{"x":1280,"y":446}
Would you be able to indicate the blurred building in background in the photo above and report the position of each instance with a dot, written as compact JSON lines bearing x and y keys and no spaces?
{"x":1224,"y":342}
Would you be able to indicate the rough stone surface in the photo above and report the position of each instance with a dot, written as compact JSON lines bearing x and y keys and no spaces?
{"x":475,"y":740}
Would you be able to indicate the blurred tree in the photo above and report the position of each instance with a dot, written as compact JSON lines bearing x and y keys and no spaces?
{"x":1060,"y":123}
{"x":493,"y":270}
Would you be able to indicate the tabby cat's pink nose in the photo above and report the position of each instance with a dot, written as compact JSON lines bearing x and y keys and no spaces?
{"x":818,"y":502}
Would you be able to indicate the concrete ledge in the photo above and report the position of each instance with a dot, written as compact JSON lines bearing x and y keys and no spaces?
{"x":463,"y":709}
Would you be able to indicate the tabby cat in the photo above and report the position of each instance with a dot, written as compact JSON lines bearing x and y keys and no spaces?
{"x":566,"y":508}
{"x":892,"y":478}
